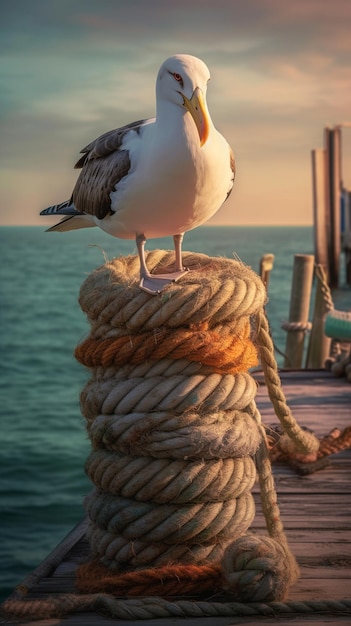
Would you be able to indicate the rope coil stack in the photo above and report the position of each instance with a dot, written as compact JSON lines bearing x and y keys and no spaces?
{"x":174,"y":427}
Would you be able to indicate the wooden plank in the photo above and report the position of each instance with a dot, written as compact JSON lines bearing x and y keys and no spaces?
{"x":330,"y":506}
{"x":317,"y":400}
{"x":52,"y":560}
{"x":324,"y":482}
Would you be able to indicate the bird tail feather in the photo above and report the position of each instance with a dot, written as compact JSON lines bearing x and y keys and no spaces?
{"x":64,"y":208}
{"x":72,"y":222}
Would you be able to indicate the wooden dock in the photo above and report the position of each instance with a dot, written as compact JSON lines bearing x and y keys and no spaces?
{"x":315,"y":509}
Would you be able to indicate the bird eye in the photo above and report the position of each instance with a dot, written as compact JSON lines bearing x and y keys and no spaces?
{"x":178,"y":78}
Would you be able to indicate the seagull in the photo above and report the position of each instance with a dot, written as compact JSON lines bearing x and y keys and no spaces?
{"x":156,"y":177}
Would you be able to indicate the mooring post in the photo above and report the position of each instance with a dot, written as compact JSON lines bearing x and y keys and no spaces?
{"x":333,"y":148}
{"x":299,"y":310}
{"x":320,"y":206}
{"x":319,"y":344}
{"x":266,"y":266}
{"x":346,"y":236}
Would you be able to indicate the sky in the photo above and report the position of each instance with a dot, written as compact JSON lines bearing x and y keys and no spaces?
{"x":73,"y":69}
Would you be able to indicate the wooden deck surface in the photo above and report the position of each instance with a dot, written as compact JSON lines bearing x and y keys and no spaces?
{"x":315,"y":509}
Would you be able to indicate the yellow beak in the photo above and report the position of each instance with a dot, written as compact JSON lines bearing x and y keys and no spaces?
{"x":198,"y":110}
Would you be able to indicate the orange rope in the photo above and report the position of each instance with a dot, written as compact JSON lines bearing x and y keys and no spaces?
{"x":170,"y":580}
{"x":334,"y":442}
{"x":225,"y":352}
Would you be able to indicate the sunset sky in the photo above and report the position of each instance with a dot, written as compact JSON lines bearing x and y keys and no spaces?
{"x":73,"y":69}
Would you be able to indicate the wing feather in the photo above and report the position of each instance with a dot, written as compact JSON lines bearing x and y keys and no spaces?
{"x":103,"y":165}
{"x":97,"y":179}
{"x":108,"y":142}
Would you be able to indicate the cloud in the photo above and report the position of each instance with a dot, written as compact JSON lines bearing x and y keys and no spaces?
{"x":73,"y":69}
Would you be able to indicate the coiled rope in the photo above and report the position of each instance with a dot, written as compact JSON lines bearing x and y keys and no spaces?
{"x":158,"y":607}
{"x":171,"y":415}
{"x":176,"y":434}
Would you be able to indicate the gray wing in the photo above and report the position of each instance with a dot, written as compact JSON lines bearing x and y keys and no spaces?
{"x":103,"y":165}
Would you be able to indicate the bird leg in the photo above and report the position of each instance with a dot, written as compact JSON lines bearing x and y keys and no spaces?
{"x":178,"y":240}
{"x":155,"y":283}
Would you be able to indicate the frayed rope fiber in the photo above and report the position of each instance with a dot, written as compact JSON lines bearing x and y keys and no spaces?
{"x":176,"y":435}
{"x":159,"y":581}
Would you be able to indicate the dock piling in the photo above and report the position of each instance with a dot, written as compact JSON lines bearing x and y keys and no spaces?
{"x":319,"y":344}
{"x":333,"y":149}
{"x":299,"y":310}
{"x":266,"y":266}
{"x":320,"y":209}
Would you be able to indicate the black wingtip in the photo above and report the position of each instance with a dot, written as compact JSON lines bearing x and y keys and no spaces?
{"x":65,"y":208}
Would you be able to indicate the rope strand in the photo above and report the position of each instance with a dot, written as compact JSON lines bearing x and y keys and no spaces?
{"x":305,"y":442}
{"x":157,"y":607}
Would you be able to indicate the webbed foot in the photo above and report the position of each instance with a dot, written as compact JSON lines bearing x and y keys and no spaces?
{"x":155,"y":283}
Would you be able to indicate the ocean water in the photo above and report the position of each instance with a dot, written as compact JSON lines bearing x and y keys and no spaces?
{"x":43,"y":439}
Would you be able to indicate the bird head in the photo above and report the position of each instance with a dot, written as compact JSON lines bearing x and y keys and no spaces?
{"x":182,"y":79}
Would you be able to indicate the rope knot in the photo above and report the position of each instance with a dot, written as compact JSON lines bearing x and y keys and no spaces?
{"x":258,"y":569}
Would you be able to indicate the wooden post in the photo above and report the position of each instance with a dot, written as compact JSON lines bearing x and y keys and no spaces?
{"x":299,"y":310}
{"x":266,"y":266}
{"x":347,"y":235}
{"x":320,"y":206}
{"x":319,"y":344}
{"x":333,"y":147}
